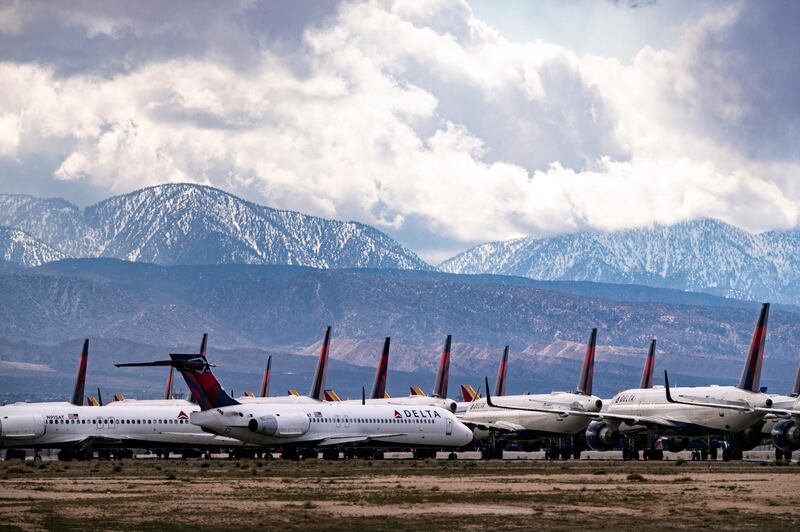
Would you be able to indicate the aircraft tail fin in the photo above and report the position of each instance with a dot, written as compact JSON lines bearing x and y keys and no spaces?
{"x":80,"y":377}
{"x":416,"y":390}
{"x":386,"y":395}
{"x":332,"y":396}
{"x":92,"y":401}
{"x":751,"y":372}
{"x":119,"y":397}
{"x":249,"y":394}
{"x":500,"y":385}
{"x":379,"y":386}
{"x":170,"y":381}
{"x":202,"y":382}
{"x":649,"y":366}
{"x":320,"y":376}
{"x":587,"y":371}
{"x":294,"y":392}
{"x":796,"y":390}
{"x":468,"y":393}
{"x":265,"y":379}
{"x":443,"y":374}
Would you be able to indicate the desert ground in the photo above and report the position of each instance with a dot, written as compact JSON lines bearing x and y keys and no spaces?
{"x":199,"y":494}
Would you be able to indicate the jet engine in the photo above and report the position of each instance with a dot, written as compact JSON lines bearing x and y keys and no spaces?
{"x":21,"y":427}
{"x":674,"y":444}
{"x":749,"y":438}
{"x":786,"y":435}
{"x":280,"y":425}
{"x":601,"y":436}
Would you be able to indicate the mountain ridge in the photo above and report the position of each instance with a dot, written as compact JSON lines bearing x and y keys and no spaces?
{"x":197,"y":224}
{"x":703,"y":255}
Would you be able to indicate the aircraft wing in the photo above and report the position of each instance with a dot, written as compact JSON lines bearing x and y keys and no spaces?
{"x":349,"y":440}
{"x":499,"y":426}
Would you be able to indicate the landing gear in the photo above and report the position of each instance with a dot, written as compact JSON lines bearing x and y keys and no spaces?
{"x":15,"y":454}
{"x":290,"y":453}
{"x":492,"y":449}
{"x":731,"y":454}
{"x":330,"y":454}
{"x":452,"y":456}
{"x":653,"y":454}
{"x":629,"y":450}
{"x":423,"y":453}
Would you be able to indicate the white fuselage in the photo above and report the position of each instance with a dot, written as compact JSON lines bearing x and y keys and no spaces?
{"x":332,"y":423}
{"x":411,"y":400}
{"x":543,"y":423}
{"x":118,"y":424}
{"x":690,"y":420}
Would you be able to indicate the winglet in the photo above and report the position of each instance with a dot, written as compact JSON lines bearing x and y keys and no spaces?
{"x":80,"y":378}
{"x":751,"y":372}
{"x":587,"y":371}
{"x":320,"y":376}
{"x":649,"y":366}
{"x":265,"y":379}
{"x":500,"y":386}
{"x":99,"y":397}
{"x":379,"y":386}
{"x":488,"y":394}
{"x":666,"y":388}
{"x":442,"y":376}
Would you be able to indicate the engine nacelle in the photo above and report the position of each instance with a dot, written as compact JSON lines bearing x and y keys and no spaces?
{"x":786,"y":435}
{"x":674,"y":444}
{"x":601,"y":436}
{"x":749,"y":438}
{"x":23,"y":427}
{"x":280,"y":425}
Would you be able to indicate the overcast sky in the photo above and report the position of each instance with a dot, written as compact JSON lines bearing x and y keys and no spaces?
{"x":442,"y":122}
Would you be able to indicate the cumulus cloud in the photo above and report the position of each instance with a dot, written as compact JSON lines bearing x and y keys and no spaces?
{"x":391,"y":112}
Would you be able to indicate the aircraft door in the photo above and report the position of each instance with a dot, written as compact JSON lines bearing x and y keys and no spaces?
{"x":449,"y":426}
{"x":346,"y":420}
{"x":110,"y":423}
{"x":338,"y":420}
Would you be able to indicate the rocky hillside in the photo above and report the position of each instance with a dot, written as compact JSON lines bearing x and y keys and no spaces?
{"x":191,"y":224}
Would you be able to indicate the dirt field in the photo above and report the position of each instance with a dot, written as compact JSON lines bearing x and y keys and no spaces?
{"x":395,"y":495}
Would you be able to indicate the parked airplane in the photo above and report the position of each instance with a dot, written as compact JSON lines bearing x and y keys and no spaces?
{"x":691,"y":412}
{"x":317,"y":425}
{"x":315,"y":394}
{"x":76,"y":400}
{"x":439,"y":396}
{"x":536,"y":416}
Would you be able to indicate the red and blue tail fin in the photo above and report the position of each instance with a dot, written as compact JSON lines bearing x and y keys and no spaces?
{"x":80,"y":377}
{"x":500,"y":385}
{"x":201,"y":381}
{"x":751,"y":372}
{"x":170,"y":381}
{"x":320,"y":376}
{"x":443,"y":375}
{"x":265,"y":379}
{"x":649,"y":366}
{"x":587,"y":371}
{"x":379,"y":386}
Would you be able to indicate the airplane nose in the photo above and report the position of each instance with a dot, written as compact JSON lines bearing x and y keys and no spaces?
{"x":465,"y":435}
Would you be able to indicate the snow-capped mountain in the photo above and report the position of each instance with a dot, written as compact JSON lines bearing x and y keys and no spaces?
{"x":20,"y":248}
{"x":704,"y":255}
{"x":192,"y":224}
